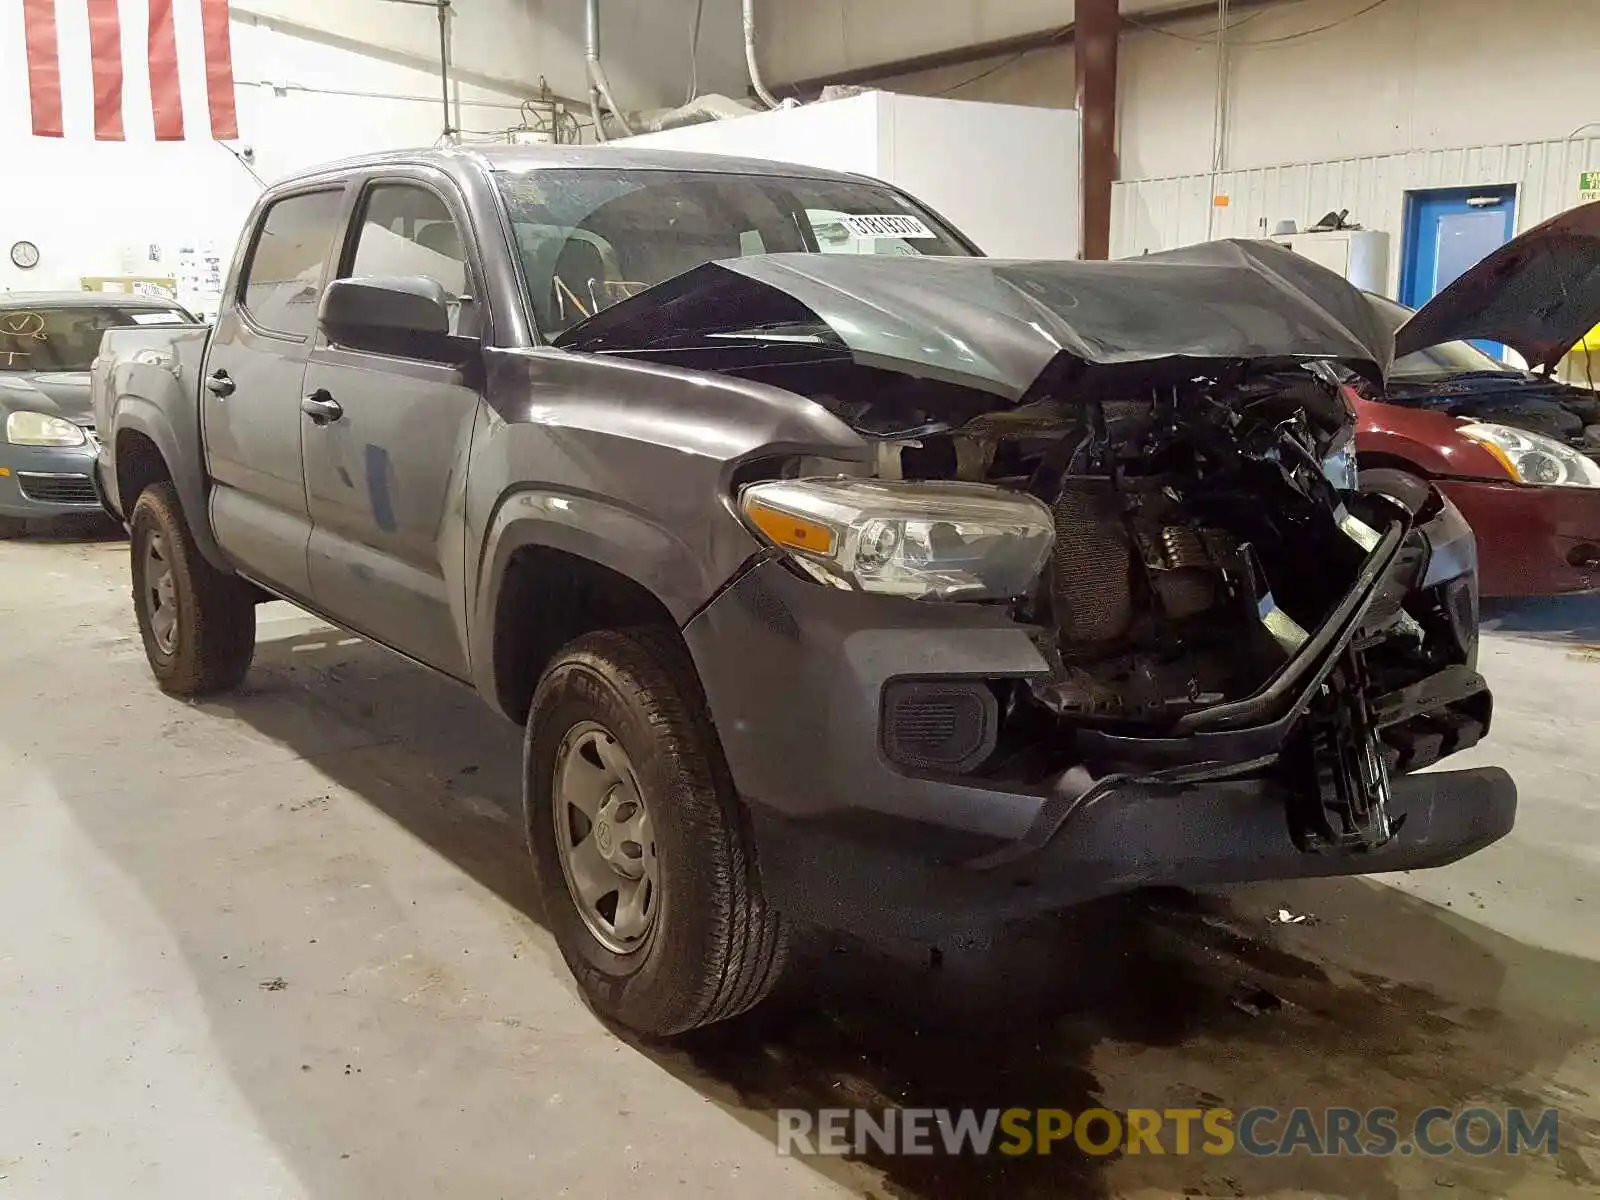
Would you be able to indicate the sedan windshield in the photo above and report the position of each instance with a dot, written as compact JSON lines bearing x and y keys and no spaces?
{"x":589,"y":238}
{"x":67,"y":338}
{"x":1436,"y":362}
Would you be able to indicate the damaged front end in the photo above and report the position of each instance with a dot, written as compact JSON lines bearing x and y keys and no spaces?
{"x":1176,"y":519}
{"x":1214,"y":595}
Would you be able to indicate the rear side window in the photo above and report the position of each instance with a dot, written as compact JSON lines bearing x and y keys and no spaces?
{"x":283,"y":282}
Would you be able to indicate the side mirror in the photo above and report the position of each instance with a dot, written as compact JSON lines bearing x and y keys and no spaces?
{"x":402,"y":315}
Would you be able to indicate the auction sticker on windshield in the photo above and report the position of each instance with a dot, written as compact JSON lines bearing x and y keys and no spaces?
{"x":886,"y":225}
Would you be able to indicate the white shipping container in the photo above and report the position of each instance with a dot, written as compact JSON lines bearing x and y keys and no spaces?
{"x":1006,"y":175}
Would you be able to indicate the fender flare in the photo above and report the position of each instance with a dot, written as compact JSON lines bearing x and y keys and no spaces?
{"x":135,"y":414}
{"x":588,"y":527}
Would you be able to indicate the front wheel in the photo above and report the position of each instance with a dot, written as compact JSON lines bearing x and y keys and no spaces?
{"x":641,"y":851}
{"x":198,"y":624}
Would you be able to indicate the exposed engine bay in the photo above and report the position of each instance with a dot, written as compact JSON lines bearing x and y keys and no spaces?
{"x":1204,"y":533}
{"x":1198,"y":534}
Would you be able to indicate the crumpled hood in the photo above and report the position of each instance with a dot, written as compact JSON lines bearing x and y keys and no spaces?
{"x":1538,"y":294}
{"x":997,"y":325}
{"x":59,"y":393}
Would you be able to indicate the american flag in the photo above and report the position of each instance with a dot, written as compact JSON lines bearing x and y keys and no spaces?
{"x":111,"y":24}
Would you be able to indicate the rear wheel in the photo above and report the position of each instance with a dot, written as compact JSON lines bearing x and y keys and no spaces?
{"x":641,"y":851}
{"x":198,"y":624}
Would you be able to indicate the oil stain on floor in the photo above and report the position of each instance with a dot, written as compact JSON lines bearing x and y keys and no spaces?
{"x":1174,"y":1001}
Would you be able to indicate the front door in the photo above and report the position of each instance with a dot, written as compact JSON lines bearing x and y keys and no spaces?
{"x":384,"y":477}
{"x":1449,"y":230}
{"x":250,"y":390}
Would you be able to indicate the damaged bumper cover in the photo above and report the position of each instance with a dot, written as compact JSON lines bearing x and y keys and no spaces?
{"x":1130,"y":836}
{"x":804,"y":681}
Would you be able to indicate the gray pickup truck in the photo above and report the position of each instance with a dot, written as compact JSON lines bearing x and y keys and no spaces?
{"x":839,"y":575}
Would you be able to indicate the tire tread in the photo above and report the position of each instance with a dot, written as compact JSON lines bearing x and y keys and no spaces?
{"x":746,"y":945}
{"x":216,"y":642}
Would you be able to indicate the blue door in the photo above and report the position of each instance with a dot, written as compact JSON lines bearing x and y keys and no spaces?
{"x":1447,"y":231}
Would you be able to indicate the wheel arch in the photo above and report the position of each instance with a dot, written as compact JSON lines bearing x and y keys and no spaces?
{"x":147,"y":449}
{"x":554,"y":571}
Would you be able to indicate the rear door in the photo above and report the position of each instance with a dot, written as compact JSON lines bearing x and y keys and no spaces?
{"x":384,"y":478}
{"x":250,"y":388}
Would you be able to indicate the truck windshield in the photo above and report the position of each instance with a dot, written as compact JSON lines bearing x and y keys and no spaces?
{"x":588,"y":238}
{"x":67,"y":338}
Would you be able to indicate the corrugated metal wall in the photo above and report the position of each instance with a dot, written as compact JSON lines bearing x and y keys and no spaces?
{"x":1158,"y":214}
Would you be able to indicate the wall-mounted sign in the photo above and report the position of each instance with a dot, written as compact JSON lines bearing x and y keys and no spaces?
{"x":1588,"y":186}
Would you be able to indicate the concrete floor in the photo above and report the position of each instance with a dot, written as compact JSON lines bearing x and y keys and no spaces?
{"x":281,"y":945}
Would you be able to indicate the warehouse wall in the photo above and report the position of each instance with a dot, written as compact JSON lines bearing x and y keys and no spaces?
{"x":1410,"y":74}
{"x":307,"y":92}
{"x":1158,"y":214}
{"x":1406,"y":75}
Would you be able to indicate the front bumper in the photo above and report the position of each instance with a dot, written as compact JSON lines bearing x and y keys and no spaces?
{"x":795,"y":676}
{"x":1127,"y":837}
{"x":48,"y":481}
{"x":1533,"y":541}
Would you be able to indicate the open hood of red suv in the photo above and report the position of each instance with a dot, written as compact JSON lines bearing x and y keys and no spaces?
{"x":1539,"y":294}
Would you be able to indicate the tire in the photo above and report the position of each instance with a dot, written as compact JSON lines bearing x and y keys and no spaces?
{"x":212,"y":636}
{"x":713,"y":948}
{"x":12,"y":527}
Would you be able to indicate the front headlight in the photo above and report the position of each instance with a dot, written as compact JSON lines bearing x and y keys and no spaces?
{"x":929,"y":540}
{"x":1534,"y":458}
{"x":41,"y":429}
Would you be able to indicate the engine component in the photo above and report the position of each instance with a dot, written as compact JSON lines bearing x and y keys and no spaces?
{"x":1091,"y":590}
{"x":1199,"y":535}
{"x":1182,"y":571}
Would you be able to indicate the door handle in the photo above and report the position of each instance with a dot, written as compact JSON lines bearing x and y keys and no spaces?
{"x":220,"y":384}
{"x":321,"y":407}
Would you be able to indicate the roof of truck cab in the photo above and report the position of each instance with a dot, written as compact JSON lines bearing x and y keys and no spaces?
{"x":82,"y":299}
{"x":515,"y":159}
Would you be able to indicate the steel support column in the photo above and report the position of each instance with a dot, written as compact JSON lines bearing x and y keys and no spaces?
{"x":1095,"y":29}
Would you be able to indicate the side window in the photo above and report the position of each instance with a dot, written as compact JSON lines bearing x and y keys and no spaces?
{"x":283,"y":282}
{"x":407,"y":230}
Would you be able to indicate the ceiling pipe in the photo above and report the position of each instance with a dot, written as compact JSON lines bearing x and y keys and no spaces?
{"x":598,"y":116}
{"x":599,"y":85}
{"x":700,"y":110}
{"x":756,"y":84}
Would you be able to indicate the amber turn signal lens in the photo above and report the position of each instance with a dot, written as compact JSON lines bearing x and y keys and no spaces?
{"x":785,"y":529}
{"x":1504,"y":459}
